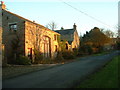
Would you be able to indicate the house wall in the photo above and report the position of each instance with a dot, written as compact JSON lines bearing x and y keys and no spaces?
{"x":26,"y":31}
{"x":31,"y":32}
{"x":76,"y":40}
{"x":9,"y":35}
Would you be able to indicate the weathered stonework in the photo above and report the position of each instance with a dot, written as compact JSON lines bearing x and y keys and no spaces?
{"x":35,"y":31}
{"x":76,"y":40}
{"x":28,"y":34}
{"x":71,"y":36}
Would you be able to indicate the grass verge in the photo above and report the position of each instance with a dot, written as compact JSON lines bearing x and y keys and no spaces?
{"x":107,"y":77}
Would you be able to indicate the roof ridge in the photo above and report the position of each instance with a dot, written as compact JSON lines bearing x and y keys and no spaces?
{"x":64,"y":29}
{"x":28,"y":20}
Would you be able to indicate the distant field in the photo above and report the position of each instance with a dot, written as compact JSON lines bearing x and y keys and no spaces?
{"x":107,"y":77}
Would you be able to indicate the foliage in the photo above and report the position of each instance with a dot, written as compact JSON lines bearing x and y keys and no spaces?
{"x":38,"y":56}
{"x":105,"y":78}
{"x":59,"y":56}
{"x":85,"y":49}
{"x":118,"y":45}
{"x":23,"y":60}
{"x":108,"y":33}
{"x":15,"y":49}
{"x":94,"y":41}
{"x":75,"y":51}
{"x":100,"y":49}
{"x":68,"y":54}
{"x":96,"y":37}
{"x":62,"y":45}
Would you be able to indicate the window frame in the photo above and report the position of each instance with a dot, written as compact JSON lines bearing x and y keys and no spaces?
{"x":13,"y":26}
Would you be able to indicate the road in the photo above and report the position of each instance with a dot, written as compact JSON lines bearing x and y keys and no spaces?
{"x":61,"y":76}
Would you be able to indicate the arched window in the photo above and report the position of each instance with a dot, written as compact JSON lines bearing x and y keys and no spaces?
{"x":46,"y":46}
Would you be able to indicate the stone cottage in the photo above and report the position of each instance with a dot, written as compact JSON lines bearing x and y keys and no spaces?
{"x":23,"y":36}
{"x":71,"y":36}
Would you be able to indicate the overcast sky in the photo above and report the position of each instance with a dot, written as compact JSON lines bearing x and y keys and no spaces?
{"x":87,"y":14}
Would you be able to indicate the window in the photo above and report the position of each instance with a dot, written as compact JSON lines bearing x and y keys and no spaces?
{"x":55,"y":37}
{"x":13,"y":27}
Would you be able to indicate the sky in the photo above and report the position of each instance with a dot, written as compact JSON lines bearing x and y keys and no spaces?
{"x":86,"y":14}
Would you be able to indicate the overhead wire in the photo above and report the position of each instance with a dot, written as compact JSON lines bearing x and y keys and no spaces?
{"x":86,"y":14}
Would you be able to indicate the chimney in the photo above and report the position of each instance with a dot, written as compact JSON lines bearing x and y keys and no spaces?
{"x":2,"y":5}
{"x":74,"y":26}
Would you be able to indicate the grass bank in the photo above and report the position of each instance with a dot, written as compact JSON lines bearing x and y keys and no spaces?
{"x":107,"y":77}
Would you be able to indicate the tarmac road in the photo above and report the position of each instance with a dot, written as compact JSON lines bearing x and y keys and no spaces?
{"x":61,"y":76}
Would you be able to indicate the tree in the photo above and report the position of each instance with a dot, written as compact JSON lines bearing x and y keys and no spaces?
{"x":36,"y":38}
{"x":15,"y":48}
{"x":96,"y":37}
{"x":109,"y":33}
{"x":62,"y":28}
{"x":51,"y":25}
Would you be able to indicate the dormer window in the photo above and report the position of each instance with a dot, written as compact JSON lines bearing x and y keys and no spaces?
{"x":13,"y":27}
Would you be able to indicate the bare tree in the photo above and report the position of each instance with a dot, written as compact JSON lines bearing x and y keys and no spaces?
{"x":36,"y":37}
{"x":51,"y":25}
{"x":108,"y":32}
{"x":117,"y":27}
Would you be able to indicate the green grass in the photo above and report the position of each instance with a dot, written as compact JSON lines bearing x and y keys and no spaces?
{"x":107,"y":77}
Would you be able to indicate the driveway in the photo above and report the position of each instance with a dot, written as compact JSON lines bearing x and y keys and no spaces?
{"x":62,"y":76}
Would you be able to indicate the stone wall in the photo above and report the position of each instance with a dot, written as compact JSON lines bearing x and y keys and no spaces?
{"x":9,"y":35}
{"x":29,"y":34}
{"x":76,"y":40}
{"x":36,"y":34}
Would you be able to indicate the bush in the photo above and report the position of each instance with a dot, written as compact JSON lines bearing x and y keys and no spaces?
{"x":59,"y":56}
{"x":75,"y":51}
{"x":23,"y":60}
{"x":38,"y":57}
{"x":101,"y":49}
{"x":68,"y":55}
{"x":118,"y":45}
{"x":85,"y":49}
{"x":47,"y":61}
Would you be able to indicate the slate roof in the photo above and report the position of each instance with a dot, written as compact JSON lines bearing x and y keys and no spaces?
{"x":66,"y":32}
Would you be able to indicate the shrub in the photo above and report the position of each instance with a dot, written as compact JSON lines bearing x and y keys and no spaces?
{"x":59,"y":56}
{"x":47,"y":61}
{"x":100,"y":49}
{"x":75,"y":51}
{"x":38,"y":57}
{"x":68,"y":55}
{"x":85,"y":49}
{"x":89,"y":49}
{"x":118,"y":45}
{"x":23,"y":60}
